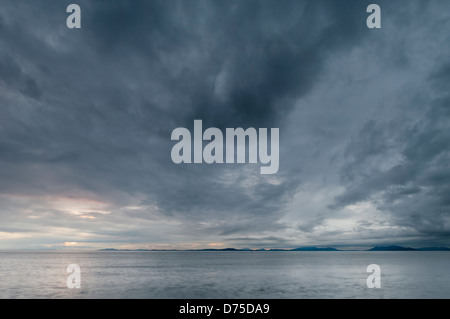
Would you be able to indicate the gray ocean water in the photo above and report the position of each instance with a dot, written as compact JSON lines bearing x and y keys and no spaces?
{"x":240,"y":274}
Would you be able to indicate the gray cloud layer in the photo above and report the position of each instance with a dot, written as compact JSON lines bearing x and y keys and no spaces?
{"x":86,"y":117}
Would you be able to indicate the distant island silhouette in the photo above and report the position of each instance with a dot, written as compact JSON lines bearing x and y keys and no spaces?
{"x":307,"y":248}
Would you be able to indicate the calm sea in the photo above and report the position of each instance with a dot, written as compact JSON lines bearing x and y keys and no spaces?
{"x":241,"y":274}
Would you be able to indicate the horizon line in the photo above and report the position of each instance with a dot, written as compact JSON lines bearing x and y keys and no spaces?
{"x":301,"y":248}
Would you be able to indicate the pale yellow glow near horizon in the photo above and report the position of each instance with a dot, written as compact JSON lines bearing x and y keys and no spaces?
{"x":215,"y":244}
{"x":70,"y":244}
{"x":87,"y":217}
{"x":77,"y":205}
{"x":80,"y":206}
{"x":8,"y":235}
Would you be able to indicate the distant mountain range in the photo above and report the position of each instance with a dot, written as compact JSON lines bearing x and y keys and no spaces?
{"x":310,"y":248}
{"x":400,"y":248}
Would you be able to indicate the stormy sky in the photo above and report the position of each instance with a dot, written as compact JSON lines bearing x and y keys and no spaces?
{"x":86,"y":117}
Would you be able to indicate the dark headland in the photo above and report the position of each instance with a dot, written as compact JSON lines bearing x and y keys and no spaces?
{"x":400,"y":248}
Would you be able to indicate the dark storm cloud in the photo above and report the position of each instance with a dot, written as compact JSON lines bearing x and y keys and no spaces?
{"x":88,"y":114}
{"x":13,"y":76}
{"x":403,"y":165}
{"x":111,"y":94}
{"x":259,"y":55}
{"x":267,"y":55}
{"x":137,"y":70}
